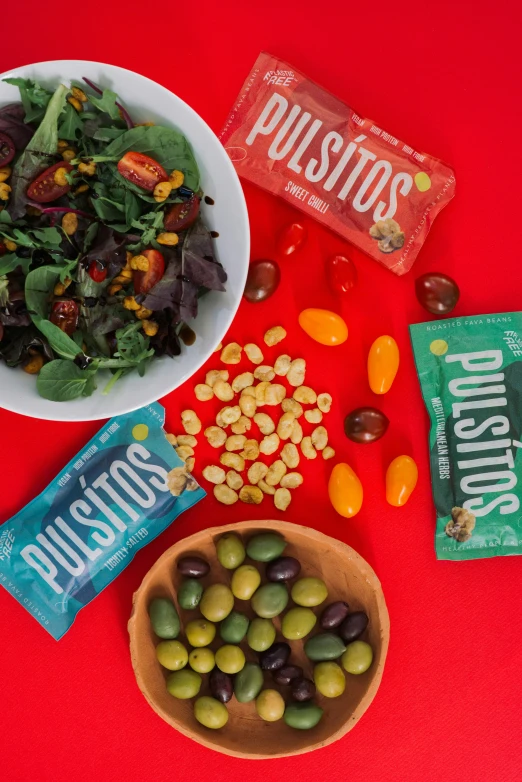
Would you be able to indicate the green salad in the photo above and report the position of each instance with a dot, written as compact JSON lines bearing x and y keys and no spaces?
{"x":103,"y":252}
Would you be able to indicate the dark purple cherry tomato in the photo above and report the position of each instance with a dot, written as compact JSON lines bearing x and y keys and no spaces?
{"x":262,"y":280}
{"x":437,"y":293}
{"x":7,"y":149}
{"x":365,"y":425}
{"x":97,"y":271}
{"x":341,"y":273}
{"x":291,"y":238}
{"x":64,"y":314}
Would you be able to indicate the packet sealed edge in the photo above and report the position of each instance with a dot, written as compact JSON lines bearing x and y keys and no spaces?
{"x":470,"y":372}
{"x":124,"y":488}
{"x":295,"y":139}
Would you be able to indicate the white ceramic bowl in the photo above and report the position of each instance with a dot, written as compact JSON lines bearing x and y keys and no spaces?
{"x":147,"y":100}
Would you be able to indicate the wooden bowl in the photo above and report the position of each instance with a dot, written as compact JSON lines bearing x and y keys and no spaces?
{"x":347,"y":576}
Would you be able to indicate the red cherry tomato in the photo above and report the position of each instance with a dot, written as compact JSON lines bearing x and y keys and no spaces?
{"x":7,"y":149}
{"x":291,"y":239}
{"x":3,"y":249}
{"x":144,"y":281}
{"x":181,"y":216}
{"x":97,"y":271}
{"x":45,"y":189}
{"x":142,"y":170}
{"x":64,"y":314}
{"x":341,"y":273}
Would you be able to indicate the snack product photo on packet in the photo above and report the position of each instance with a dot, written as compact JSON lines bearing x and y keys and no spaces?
{"x":470,"y":371}
{"x":295,"y":139}
{"x":124,"y":488}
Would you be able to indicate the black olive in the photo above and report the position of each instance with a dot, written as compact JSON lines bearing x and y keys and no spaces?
{"x":90,"y":301}
{"x":185,"y":192}
{"x":82,"y":361}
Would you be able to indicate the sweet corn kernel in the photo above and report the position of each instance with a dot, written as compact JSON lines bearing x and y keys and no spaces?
{"x":34,"y":365}
{"x":9,"y":245}
{"x":150,"y":327}
{"x":75,"y":103}
{"x":162,"y":191}
{"x":81,"y":189}
{"x":114,"y":289}
{"x":176,"y":178}
{"x":144,"y":125}
{"x":79,"y":94}
{"x":69,"y":154}
{"x":168,"y":238}
{"x":140,"y":263}
{"x":130,"y":303}
{"x":70,"y":223}
{"x":62,"y":144}
{"x":143,"y":313}
{"x":126,"y":274}
{"x":5,"y":173}
{"x":87,"y":169}
{"x":60,"y":177}
{"x":4,"y":191}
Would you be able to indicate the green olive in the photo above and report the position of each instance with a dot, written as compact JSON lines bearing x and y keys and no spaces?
{"x":172,"y":655}
{"x":303,"y":716}
{"x":233,"y":629}
{"x":358,"y":657}
{"x":309,"y":592}
{"x":248,"y":683}
{"x":184,"y":684}
{"x":199,"y":632}
{"x":329,"y":679}
{"x":164,"y":618}
{"x":217,"y":602}
{"x":297,"y":623}
{"x":230,"y":658}
{"x":230,"y":551}
{"x":270,"y":705}
{"x":270,"y":600}
{"x":245,"y":581}
{"x":202,"y":660}
{"x":189,"y":594}
{"x":210,"y":712}
{"x":266,"y":546}
{"x":261,"y":634}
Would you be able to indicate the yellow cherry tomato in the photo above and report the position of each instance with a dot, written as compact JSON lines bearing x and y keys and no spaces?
{"x":401,"y":479}
{"x":383,"y":363}
{"x":324,"y":326}
{"x":345,"y":490}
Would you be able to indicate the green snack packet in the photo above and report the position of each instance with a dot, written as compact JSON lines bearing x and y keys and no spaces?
{"x":470,"y":370}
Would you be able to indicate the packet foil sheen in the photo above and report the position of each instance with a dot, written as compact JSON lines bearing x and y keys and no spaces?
{"x":121,"y":491}
{"x":470,"y":370}
{"x":296,"y":140}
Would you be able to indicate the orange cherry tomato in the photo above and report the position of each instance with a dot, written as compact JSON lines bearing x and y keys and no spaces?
{"x":324,"y":326}
{"x":383,"y":363}
{"x":401,"y":479}
{"x":345,"y":490}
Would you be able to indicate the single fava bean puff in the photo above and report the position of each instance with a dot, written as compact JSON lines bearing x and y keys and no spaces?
{"x":324,"y":326}
{"x":345,"y":490}
{"x":437,"y":293}
{"x":291,"y":238}
{"x":383,"y":363}
{"x":262,"y":280}
{"x":401,"y":479}
{"x":365,"y":425}
{"x":341,"y":274}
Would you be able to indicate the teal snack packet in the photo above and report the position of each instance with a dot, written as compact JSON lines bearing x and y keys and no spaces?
{"x":121,"y":491}
{"x":470,"y":370}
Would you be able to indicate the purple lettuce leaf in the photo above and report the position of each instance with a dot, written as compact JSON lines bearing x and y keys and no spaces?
{"x":12,"y":123}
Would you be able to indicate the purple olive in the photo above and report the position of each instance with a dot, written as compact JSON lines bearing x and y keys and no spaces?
{"x":275,"y":657}
{"x":283,"y":569}
{"x":221,"y":685}
{"x":287,"y":674}
{"x":333,"y":615}
{"x":303,"y":689}
{"x":194,"y":567}
{"x":7,"y":149}
{"x":353,"y":626}
{"x":365,"y":425}
{"x":262,"y":280}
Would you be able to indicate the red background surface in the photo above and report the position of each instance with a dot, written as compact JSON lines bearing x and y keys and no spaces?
{"x":441,"y":77}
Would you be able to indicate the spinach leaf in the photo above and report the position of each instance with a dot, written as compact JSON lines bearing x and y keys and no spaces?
{"x":38,"y":155}
{"x":70,"y":124}
{"x":39,"y":285}
{"x":60,"y":342}
{"x":132,"y":208}
{"x":5,"y":217}
{"x":108,"y":134}
{"x":9,"y":262}
{"x":90,"y":236}
{"x":106,"y":103}
{"x":35,"y":98}
{"x":61,"y":381}
{"x":36,"y":239}
{"x":12,"y":123}
{"x":166,"y":145}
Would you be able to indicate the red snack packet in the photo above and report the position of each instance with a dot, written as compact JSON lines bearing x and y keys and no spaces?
{"x":296,"y":140}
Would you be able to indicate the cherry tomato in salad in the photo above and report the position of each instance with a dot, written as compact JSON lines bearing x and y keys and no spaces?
{"x":142,"y":170}
{"x":64,"y":314}
{"x":324,"y":326}
{"x":3,"y":249}
{"x":97,"y":271}
{"x":45,"y":189}
{"x":383,"y":363}
{"x":341,"y":273}
{"x":401,"y":479}
{"x":7,"y":149}
{"x":144,"y":281}
{"x":291,"y":238}
{"x":345,"y":490}
{"x":181,"y":216}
